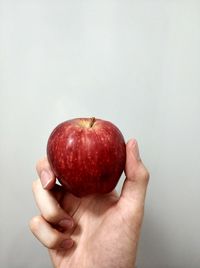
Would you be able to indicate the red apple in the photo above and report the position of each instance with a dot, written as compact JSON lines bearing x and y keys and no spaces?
{"x":87,"y":155}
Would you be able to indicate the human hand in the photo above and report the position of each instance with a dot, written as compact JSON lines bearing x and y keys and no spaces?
{"x":96,"y":231}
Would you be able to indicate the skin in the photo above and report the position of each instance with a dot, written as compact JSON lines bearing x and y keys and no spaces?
{"x":98,"y":230}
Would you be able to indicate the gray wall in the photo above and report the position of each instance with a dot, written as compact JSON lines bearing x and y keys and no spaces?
{"x":136,"y":63}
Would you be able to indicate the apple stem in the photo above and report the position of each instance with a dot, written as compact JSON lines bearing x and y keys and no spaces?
{"x":92,"y":121}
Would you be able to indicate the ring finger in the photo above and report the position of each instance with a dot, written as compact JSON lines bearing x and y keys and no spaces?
{"x":48,"y":236}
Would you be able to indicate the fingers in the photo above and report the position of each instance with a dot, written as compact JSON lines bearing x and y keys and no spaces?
{"x":48,"y":236}
{"x":54,"y":219}
{"x":137,"y":176}
{"x":46,"y":174}
{"x":49,"y":207}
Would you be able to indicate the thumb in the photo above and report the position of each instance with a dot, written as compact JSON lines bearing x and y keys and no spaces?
{"x":137,"y":176}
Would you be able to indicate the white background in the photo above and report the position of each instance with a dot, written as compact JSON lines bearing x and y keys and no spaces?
{"x":136,"y":63}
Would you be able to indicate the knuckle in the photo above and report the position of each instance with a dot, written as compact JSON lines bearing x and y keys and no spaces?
{"x":144,"y":174}
{"x":51,"y":215}
{"x":34,"y":223}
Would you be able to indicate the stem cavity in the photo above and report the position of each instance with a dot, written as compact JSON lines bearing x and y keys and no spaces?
{"x":92,"y":121}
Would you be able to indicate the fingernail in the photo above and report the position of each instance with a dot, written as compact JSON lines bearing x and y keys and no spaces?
{"x":66,"y":244}
{"x":45,"y":178}
{"x":132,"y":143}
{"x":66,"y":223}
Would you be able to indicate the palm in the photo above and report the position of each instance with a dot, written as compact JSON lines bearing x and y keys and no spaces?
{"x":99,"y":230}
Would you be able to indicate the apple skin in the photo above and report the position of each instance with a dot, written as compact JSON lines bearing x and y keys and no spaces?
{"x":87,"y":155}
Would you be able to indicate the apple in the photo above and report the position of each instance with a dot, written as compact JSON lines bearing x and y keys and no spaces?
{"x":87,"y":155}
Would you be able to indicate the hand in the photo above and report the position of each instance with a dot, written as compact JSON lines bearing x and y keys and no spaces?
{"x":95,"y":231}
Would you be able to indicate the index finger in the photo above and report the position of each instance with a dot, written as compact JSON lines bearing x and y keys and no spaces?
{"x":46,"y":174}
